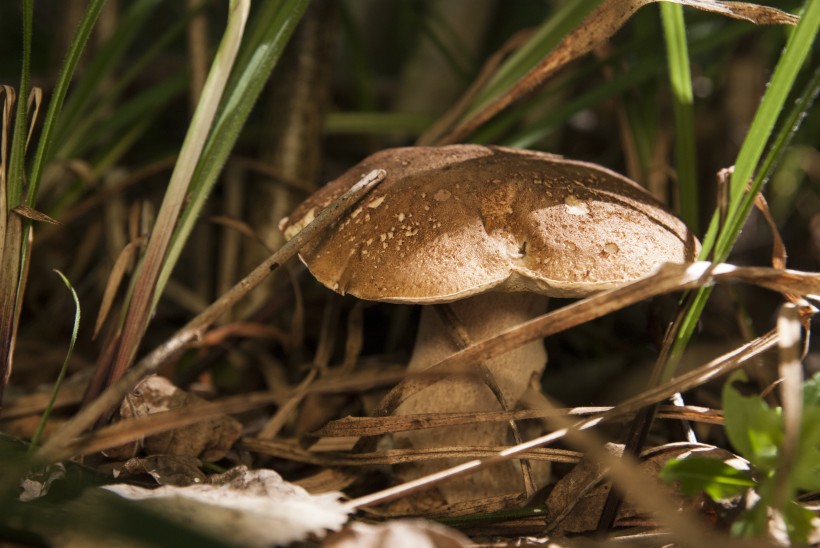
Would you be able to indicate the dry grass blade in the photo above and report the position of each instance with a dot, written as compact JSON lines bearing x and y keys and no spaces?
{"x":35,"y":99}
{"x":668,"y":278}
{"x":778,"y":247}
{"x":9,"y":247}
{"x":121,"y":265}
{"x":705,"y":373}
{"x":377,"y":426}
{"x":292,"y":451}
{"x":35,"y":403}
{"x":8,"y":94}
{"x":791,"y":371}
{"x":248,"y":330}
{"x":277,"y":422}
{"x":195,"y":328}
{"x":599,"y":26}
{"x":239,"y":226}
{"x":34,"y":215}
{"x":9,"y":296}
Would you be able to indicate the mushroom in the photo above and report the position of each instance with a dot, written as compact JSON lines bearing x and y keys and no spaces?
{"x":485,"y":229}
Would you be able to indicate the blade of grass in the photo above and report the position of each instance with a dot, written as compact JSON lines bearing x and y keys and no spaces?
{"x":674,"y":30}
{"x":85,"y":90}
{"x":35,"y":440}
{"x":86,"y":131}
{"x":9,"y":291}
{"x":13,"y":249}
{"x":145,"y":288}
{"x":47,"y":134}
{"x":16,"y":168}
{"x":741,"y":201}
{"x":274,"y":23}
{"x":117,"y":133}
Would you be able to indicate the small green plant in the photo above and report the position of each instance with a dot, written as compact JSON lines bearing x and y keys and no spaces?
{"x":756,"y":431}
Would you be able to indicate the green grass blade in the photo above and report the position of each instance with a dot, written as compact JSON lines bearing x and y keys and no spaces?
{"x":46,"y":142}
{"x":85,"y":90}
{"x":148,"y":103}
{"x":146,"y":290}
{"x":35,"y":440}
{"x":785,"y":73}
{"x":16,"y":168}
{"x":86,"y":129}
{"x":680,"y":79}
{"x":792,"y":58}
{"x":273,"y":26}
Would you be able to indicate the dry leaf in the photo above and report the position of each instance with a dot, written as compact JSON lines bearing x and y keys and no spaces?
{"x":245,"y":507}
{"x":397,"y":534}
{"x":38,"y":484}
{"x":34,"y":215}
{"x":208,"y":440}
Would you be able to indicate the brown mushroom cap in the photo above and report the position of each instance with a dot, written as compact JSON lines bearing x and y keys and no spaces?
{"x":450,"y":222}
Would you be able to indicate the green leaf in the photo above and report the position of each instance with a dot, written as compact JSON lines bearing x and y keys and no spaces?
{"x":714,"y":477}
{"x":805,"y":472}
{"x":754,"y":428}
{"x":811,"y":392}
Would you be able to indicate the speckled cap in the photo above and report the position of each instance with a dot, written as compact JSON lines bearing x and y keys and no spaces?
{"x":450,"y":222}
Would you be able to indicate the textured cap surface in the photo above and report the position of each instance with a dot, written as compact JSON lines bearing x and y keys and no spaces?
{"x":450,"y":222}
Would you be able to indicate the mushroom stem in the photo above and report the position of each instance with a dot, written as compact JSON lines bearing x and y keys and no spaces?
{"x":477,"y":318}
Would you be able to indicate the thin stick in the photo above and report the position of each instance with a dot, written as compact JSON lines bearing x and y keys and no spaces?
{"x":194,"y":329}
